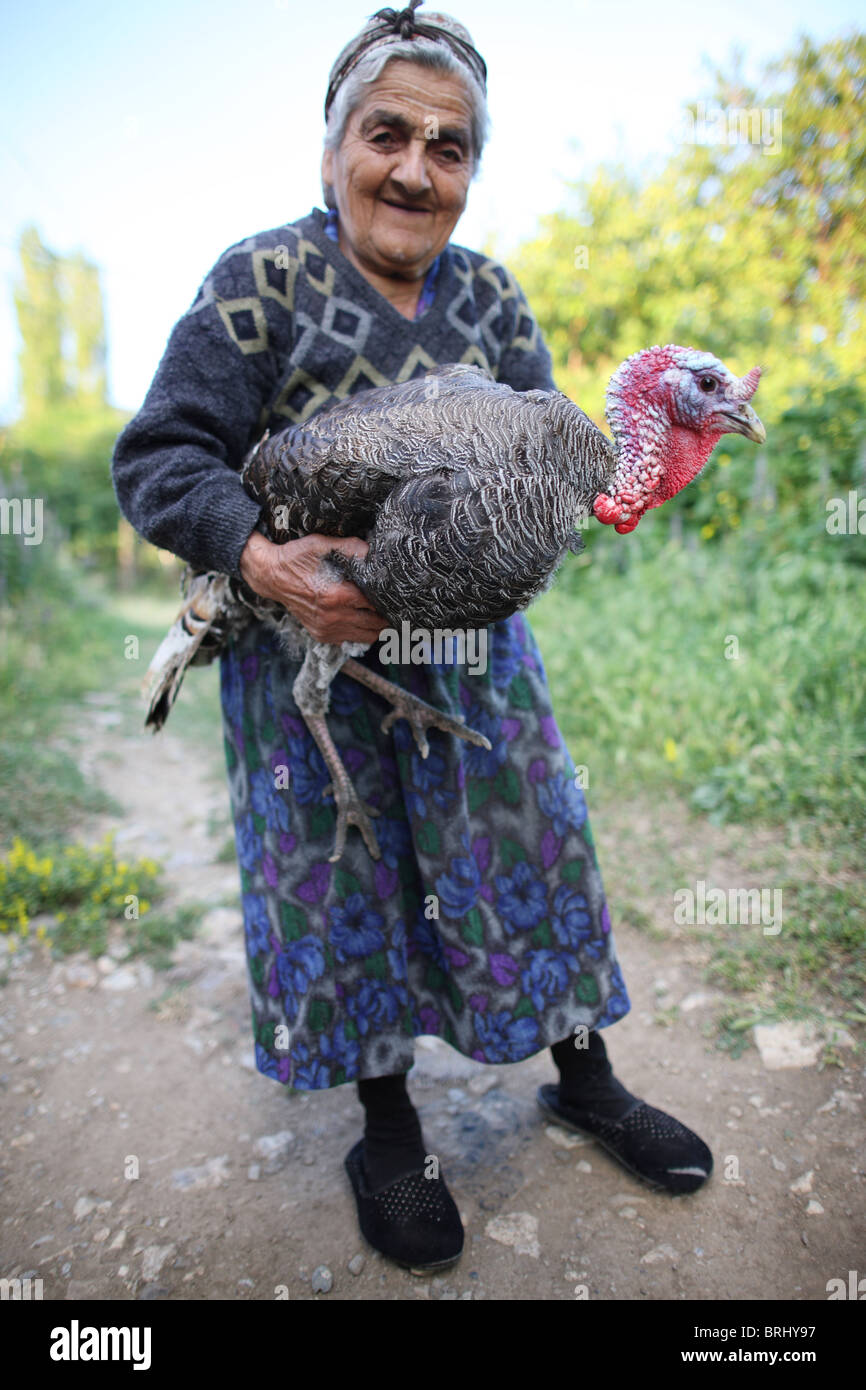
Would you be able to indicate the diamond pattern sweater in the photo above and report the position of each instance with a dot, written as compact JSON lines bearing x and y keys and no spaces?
{"x":283,"y":327}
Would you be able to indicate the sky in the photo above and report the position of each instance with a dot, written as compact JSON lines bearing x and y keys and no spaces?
{"x":152,"y":136}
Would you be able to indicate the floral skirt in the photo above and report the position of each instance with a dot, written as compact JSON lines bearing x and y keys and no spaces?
{"x":483,"y":923}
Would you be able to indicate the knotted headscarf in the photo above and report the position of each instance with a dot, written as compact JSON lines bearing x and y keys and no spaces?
{"x":394,"y":26}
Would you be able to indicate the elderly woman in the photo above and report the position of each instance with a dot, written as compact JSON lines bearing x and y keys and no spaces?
{"x":484,"y":922}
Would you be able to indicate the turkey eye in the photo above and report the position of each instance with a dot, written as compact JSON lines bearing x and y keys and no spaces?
{"x":707,"y":383}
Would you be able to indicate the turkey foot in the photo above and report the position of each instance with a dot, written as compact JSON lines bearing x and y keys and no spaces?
{"x":351,"y":810}
{"x":417,"y":713}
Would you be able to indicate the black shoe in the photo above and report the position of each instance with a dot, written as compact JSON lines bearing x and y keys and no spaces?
{"x":652,"y":1145}
{"x":413,"y":1221}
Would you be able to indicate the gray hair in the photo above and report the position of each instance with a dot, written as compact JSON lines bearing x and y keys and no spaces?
{"x":427,"y":54}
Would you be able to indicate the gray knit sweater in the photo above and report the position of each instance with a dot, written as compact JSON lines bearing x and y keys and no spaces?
{"x":283,"y":327}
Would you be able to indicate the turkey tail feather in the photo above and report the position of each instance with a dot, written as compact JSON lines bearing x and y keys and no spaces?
{"x":196,"y":619}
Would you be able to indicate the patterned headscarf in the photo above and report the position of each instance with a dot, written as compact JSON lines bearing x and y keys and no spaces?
{"x":393,"y":26}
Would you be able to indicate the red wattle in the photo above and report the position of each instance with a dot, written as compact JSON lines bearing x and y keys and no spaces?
{"x":606,"y":510}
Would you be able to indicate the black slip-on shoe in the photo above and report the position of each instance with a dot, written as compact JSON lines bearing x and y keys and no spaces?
{"x":414,"y":1221}
{"x":651,"y":1144}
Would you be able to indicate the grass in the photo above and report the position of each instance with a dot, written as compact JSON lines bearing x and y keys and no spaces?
{"x":744,"y":690}
{"x":69,"y":645}
{"x":80,"y":897}
{"x":68,"y":639}
{"x":766,"y":746}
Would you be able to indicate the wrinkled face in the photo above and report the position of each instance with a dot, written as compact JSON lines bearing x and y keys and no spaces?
{"x":705,"y":396}
{"x":402,"y":172}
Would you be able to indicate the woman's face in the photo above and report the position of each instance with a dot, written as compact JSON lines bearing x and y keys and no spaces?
{"x":402,"y":172}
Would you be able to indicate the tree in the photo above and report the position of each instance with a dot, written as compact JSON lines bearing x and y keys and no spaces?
{"x":39,"y":306}
{"x":751,"y":243}
{"x":63,"y":439}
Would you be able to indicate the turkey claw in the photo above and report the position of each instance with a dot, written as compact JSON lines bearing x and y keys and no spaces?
{"x":419,"y":715}
{"x":352,"y":811}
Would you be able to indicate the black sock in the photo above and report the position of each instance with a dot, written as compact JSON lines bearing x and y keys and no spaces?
{"x":586,"y":1079}
{"x":393,"y":1143}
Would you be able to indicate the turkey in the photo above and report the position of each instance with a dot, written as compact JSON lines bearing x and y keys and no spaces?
{"x":468,"y":494}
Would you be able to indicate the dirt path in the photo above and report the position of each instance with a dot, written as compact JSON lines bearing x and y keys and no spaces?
{"x":241,"y":1190}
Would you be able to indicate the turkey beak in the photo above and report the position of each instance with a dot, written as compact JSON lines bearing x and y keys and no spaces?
{"x":741,"y":419}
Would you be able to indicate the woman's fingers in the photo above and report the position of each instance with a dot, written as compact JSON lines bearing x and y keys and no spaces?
{"x":331,"y":608}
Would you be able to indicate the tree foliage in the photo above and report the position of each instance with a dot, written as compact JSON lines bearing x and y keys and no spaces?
{"x":753,"y":248}
{"x":59,"y":450}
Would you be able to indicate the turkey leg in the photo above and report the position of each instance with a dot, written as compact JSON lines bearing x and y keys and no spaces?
{"x":351,"y":810}
{"x":417,"y":713}
{"x":310,"y":690}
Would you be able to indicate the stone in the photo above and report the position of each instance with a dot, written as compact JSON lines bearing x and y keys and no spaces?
{"x":583,"y":1166}
{"x":803,"y":1184}
{"x":274,"y":1149}
{"x":356,"y":1264}
{"x":323,"y":1279}
{"x":518,"y":1229}
{"x":120,"y":980}
{"x":561,"y":1137}
{"x":83,"y":1207}
{"x":847,"y":1101}
{"x":787,"y":1045}
{"x":153,"y":1258}
{"x":212,"y":1173}
{"x":658,"y":1254}
{"x":814,"y":1207}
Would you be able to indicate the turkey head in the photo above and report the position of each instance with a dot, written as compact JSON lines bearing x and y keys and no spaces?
{"x":667,"y":408}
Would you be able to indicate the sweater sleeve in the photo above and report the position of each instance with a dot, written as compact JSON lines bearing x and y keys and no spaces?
{"x":176,"y":464}
{"x":525,"y":364}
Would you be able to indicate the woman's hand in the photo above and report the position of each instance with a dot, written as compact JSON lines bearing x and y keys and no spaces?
{"x":293,"y":575}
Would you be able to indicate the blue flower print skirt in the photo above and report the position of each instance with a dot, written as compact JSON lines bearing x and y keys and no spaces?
{"x":483,"y":923}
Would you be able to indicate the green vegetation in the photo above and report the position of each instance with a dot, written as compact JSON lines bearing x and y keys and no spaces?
{"x":84,"y":892}
{"x":68,"y":637}
{"x":744,"y":688}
